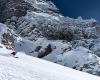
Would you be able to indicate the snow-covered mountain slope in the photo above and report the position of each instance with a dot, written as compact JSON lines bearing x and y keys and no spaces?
{"x":40,"y":18}
{"x":80,"y":57}
{"x":36,"y":28}
{"x":29,"y":68}
{"x":19,"y":8}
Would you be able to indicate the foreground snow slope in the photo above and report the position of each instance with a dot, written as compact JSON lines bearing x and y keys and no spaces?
{"x":29,"y":68}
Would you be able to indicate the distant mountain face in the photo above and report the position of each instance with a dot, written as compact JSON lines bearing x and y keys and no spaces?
{"x":33,"y":19}
{"x":19,"y":13}
{"x":37,"y":28}
{"x":19,"y":8}
{"x":40,"y":18}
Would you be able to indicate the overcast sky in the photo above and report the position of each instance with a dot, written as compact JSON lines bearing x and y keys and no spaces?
{"x":75,"y":8}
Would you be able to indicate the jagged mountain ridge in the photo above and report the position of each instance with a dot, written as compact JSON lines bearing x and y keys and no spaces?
{"x":46,"y":34}
{"x":19,"y":13}
{"x":19,"y":8}
{"x":31,"y":23}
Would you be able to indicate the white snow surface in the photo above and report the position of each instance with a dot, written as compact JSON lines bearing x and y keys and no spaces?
{"x":29,"y":68}
{"x":79,"y":56}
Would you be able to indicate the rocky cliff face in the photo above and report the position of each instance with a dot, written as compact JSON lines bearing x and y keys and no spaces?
{"x":28,"y":13}
{"x":20,"y":8}
{"x":7,"y":37}
{"x":40,"y":18}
